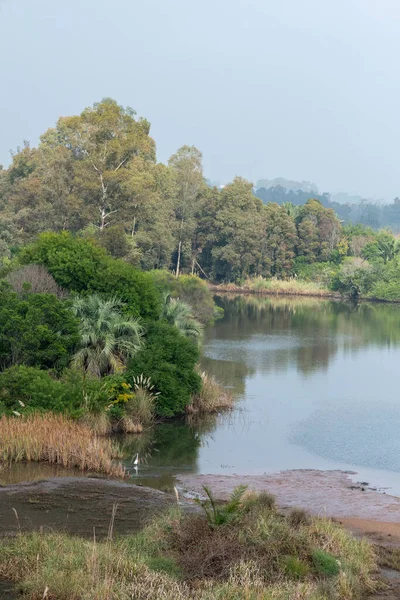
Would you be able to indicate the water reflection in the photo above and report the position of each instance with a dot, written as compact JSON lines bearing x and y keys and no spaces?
{"x":315,"y":382}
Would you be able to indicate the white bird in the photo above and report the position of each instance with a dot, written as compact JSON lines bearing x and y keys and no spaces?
{"x":136,"y":461}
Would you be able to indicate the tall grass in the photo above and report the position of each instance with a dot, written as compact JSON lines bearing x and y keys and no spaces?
{"x":290,"y":287}
{"x":57,"y":440}
{"x":211,"y":398}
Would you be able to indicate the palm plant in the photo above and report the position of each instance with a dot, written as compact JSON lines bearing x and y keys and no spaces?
{"x":108,"y":337}
{"x":222,"y":514}
{"x":178,"y":313}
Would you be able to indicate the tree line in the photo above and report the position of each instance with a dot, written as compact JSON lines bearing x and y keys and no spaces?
{"x":365,"y":212}
{"x":96,"y":175}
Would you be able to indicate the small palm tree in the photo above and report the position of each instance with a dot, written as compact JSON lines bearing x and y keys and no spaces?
{"x":222,"y":514}
{"x":108,"y":338}
{"x":178,"y":313}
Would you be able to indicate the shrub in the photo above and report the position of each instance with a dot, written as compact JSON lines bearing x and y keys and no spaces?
{"x":79,"y":265}
{"x":386,"y":290}
{"x":25,"y":389}
{"x":192,"y":290}
{"x":221,"y":514}
{"x":298,"y":517}
{"x":169,"y":359}
{"x":35,"y":279}
{"x":355,"y":278}
{"x":38,"y":330}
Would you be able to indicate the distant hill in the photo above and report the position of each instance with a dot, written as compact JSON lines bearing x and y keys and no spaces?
{"x":288,"y":184}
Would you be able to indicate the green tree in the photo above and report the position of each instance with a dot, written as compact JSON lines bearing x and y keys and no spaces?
{"x":238,"y":233}
{"x":319,"y":231}
{"x":385,"y":247}
{"x":108,"y":338}
{"x":187,"y":167}
{"x":38,"y":330}
{"x":280,"y":240}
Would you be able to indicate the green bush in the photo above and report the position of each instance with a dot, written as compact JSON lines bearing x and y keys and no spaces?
{"x":355,"y":278}
{"x":169,"y":359}
{"x":320,"y":272}
{"x":192,"y":290}
{"x":79,"y":265}
{"x":386,"y":290}
{"x":38,"y":330}
{"x":25,"y":389}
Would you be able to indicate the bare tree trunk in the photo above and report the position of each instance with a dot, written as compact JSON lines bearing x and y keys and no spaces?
{"x":193,"y":263}
{"x":178,"y":262}
{"x":103,"y":219}
{"x":133,"y":226}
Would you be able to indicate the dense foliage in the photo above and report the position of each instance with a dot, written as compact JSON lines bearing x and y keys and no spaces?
{"x":36,"y":330}
{"x":25,"y":389}
{"x":168,"y":358}
{"x":80,"y":265}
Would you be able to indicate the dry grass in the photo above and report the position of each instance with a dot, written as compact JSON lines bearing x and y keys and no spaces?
{"x":289,"y":287}
{"x":180,"y":557}
{"x":211,"y":398}
{"x":57,"y":440}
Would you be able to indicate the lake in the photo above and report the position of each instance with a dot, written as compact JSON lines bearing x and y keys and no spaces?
{"x":316,"y":386}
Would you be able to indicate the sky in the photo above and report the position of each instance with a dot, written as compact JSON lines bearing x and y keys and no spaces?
{"x":302,"y":89}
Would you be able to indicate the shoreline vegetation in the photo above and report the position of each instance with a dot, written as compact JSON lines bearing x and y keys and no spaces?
{"x":57,"y":440}
{"x":279,"y":287}
{"x":244,"y":548}
{"x":291,"y":287}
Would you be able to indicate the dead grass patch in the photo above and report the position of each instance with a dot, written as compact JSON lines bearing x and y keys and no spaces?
{"x":57,"y":440}
{"x":212,"y":397}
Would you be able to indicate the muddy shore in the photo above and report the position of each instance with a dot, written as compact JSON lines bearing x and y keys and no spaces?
{"x":322,"y":493}
{"x":78,"y":505}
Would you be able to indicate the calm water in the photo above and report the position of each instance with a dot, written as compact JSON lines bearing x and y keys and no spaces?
{"x":317,"y":386}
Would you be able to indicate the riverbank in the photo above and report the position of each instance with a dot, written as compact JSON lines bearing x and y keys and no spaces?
{"x":365,"y":512}
{"x":245,"y":548}
{"x":292,"y":287}
{"x":321,"y":493}
{"x":276,"y":287}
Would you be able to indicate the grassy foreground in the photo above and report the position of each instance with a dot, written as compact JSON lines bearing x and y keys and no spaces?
{"x":243,"y":551}
{"x":57,"y":440}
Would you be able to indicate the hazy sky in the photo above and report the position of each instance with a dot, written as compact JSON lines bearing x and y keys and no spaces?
{"x":303,"y":89}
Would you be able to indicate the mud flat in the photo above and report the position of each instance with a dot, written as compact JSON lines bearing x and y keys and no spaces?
{"x":78,"y":505}
{"x":322,"y":493}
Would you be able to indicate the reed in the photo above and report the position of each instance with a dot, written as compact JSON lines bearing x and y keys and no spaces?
{"x":212,"y":397}
{"x":289,"y":287}
{"x":57,"y":440}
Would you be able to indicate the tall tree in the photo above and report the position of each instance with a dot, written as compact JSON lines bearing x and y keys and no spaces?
{"x":280,"y":240}
{"x":188,"y":173}
{"x":238,"y":233}
{"x":103,"y":140}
